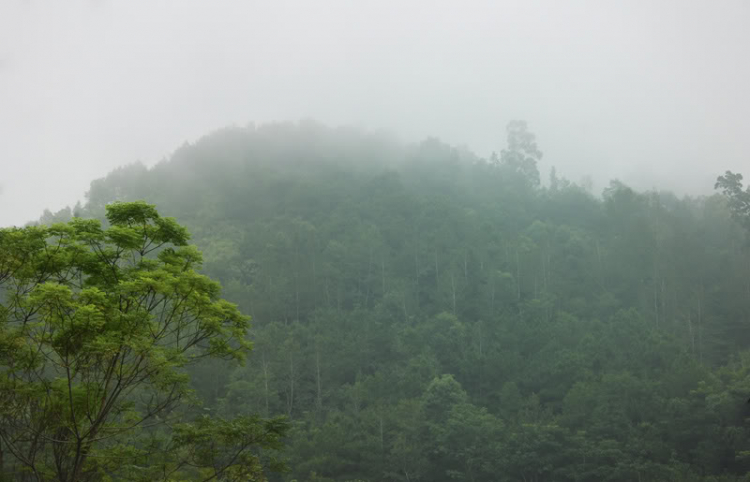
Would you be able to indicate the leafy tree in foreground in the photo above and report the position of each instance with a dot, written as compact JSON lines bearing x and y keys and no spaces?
{"x":96,"y":328}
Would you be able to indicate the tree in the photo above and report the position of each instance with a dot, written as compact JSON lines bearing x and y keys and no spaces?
{"x":522,"y":153}
{"x":738,"y":199}
{"x":97,"y":328}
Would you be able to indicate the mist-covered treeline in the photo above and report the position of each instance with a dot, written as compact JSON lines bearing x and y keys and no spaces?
{"x":421,"y":314}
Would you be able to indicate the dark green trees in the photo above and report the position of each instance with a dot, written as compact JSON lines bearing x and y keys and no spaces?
{"x":421,"y":314}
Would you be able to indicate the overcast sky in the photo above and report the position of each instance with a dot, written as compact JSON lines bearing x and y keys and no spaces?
{"x":656,"y":93}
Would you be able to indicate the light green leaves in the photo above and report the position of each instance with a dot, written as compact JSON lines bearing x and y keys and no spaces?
{"x":96,"y":327}
{"x":146,"y":222}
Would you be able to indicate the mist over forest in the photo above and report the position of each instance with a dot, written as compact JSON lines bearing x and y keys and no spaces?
{"x":421,"y":313}
{"x":652,"y":93}
{"x":374,"y":241}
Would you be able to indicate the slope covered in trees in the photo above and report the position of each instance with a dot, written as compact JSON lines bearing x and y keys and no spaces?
{"x":422,"y":314}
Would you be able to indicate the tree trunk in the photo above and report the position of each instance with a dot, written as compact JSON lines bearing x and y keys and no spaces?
{"x":265,"y":379}
{"x":437,"y":272}
{"x":382,"y":272}
{"x":319,"y":394}
{"x":291,"y":384}
{"x":518,"y":274}
{"x":453,"y":286}
{"x":466,"y":265}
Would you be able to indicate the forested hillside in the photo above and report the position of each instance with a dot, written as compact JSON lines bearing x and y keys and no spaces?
{"x":422,"y":314}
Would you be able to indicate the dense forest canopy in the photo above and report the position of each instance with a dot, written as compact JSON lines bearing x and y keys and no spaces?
{"x":420,"y":313}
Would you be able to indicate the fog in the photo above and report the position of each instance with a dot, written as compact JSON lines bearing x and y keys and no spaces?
{"x":653,"y":93}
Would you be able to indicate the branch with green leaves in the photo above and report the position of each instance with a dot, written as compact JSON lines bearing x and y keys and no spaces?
{"x":97,"y":326}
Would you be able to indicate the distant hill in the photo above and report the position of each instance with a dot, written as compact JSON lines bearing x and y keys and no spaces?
{"x":421,"y":313}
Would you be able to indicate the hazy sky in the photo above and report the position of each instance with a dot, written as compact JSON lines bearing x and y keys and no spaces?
{"x":656,"y":93}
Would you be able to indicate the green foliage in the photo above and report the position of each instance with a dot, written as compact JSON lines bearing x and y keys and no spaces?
{"x":738,"y":199}
{"x":97,"y":328}
{"x":422,"y":314}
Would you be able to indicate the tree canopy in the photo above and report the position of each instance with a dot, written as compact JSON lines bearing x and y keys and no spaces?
{"x":97,"y":327}
{"x":421,"y":313}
